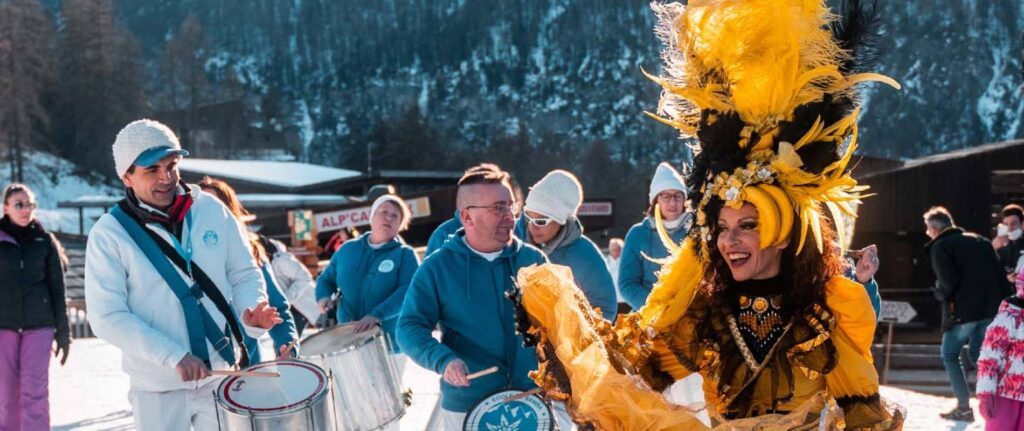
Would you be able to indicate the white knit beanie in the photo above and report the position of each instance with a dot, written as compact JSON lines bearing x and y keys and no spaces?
{"x":665,"y":178}
{"x":558,"y":195}
{"x":406,"y":213}
{"x":143,"y":143}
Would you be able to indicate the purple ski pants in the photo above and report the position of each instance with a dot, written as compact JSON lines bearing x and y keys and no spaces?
{"x":25,"y":379}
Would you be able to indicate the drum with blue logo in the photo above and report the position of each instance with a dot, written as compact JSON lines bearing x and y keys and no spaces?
{"x":503,"y":410}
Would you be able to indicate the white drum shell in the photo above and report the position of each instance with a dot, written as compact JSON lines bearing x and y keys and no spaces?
{"x":366,"y":385}
{"x":314,"y":414}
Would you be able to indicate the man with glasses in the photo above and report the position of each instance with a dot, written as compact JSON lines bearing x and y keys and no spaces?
{"x":551,"y":209}
{"x":462,"y":287}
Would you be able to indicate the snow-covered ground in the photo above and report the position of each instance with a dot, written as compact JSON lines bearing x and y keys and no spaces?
{"x":90,"y":393}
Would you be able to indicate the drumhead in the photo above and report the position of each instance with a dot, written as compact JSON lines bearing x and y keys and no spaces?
{"x":299,"y":383}
{"x":529,"y":413}
{"x":336,"y":339}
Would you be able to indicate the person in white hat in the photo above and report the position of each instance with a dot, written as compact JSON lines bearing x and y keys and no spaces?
{"x":637,"y":272}
{"x":170,"y":281}
{"x":552,"y":225}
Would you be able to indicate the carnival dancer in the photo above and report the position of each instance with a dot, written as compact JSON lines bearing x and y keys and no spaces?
{"x":638,"y":265}
{"x":754,"y":299}
{"x":462,"y":287}
{"x":170,"y":281}
{"x":282,"y":334}
{"x":553,"y":226}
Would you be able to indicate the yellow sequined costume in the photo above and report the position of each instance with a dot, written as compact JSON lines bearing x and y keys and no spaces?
{"x":767,"y":89}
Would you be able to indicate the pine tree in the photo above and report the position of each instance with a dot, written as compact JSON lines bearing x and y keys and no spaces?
{"x":99,"y":87}
{"x":26,"y":77}
{"x":182,"y":83}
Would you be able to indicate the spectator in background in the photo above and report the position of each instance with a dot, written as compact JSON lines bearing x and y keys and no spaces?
{"x":612,"y":261}
{"x":864,"y":265}
{"x":1000,"y":368}
{"x":337,"y":240}
{"x":1008,"y":241}
{"x":32,"y":312}
{"x":970,"y":284}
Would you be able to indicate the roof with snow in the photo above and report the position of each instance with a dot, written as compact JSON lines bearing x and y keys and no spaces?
{"x":249,"y":201}
{"x":284,"y":175}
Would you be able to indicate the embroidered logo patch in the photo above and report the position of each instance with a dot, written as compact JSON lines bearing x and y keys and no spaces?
{"x":386,"y":266}
{"x":210,"y":239}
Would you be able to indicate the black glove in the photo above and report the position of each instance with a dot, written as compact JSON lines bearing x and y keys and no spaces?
{"x":63,"y":340}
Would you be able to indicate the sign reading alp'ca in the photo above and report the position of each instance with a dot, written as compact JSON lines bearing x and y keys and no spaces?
{"x":336,"y":220}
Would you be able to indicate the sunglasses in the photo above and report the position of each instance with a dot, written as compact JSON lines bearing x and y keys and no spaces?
{"x":539,"y":221}
{"x":19,"y":205}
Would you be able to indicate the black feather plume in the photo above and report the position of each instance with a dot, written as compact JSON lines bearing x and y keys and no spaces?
{"x":859,"y":32}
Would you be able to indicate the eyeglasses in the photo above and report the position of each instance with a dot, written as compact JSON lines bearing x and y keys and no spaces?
{"x":500,"y":209}
{"x":539,"y":221}
{"x":19,"y":205}
{"x":669,"y":197}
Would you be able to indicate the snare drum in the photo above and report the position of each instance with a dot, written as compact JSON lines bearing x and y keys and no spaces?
{"x":367,"y":388}
{"x":529,"y":413}
{"x":299,"y":399}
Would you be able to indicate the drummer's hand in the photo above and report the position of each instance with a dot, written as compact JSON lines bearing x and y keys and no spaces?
{"x":282,"y":354}
{"x":264,"y":316}
{"x":323,"y":305}
{"x":365,"y":323}
{"x":191,"y":368}
{"x":455,"y":373}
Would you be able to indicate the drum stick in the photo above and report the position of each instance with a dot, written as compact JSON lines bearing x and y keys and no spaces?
{"x":482,"y":373}
{"x":533,"y":391}
{"x":245,"y":373}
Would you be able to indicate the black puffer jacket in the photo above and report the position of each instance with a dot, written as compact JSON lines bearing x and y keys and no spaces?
{"x":969,"y":278}
{"x":31,"y":279}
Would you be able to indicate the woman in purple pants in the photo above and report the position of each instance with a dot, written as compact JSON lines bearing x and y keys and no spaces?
{"x":32,"y":313}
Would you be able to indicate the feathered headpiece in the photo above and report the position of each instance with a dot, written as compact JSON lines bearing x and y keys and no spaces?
{"x":767,"y":89}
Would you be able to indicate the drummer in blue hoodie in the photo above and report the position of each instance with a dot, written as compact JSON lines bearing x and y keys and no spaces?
{"x":372,"y":273}
{"x":553,"y":226}
{"x":462,"y":287}
{"x":636,"y":270}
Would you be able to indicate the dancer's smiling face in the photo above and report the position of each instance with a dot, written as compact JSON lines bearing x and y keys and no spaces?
{"x":739,"y":243}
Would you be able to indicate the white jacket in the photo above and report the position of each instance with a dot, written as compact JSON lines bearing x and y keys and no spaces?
{"x":295,"y":281}
{"x":133,"y":308}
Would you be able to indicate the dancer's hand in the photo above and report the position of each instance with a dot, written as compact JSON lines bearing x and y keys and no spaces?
{"x":867,"y":266}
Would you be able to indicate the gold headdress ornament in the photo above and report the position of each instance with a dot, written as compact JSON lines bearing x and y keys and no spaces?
{"x":767,"y":88}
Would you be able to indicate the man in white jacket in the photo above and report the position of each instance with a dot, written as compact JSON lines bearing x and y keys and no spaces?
{"x":134,"y":308}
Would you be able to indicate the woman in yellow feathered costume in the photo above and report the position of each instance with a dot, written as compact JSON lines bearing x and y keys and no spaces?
{"x":754,"y":299}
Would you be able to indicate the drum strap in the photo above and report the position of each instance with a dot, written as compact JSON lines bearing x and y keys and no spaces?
{"x":198,"y":319}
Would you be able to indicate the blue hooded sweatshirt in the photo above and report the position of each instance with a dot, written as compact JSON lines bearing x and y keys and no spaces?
{"x":282,"y":333}
{"x":589,"y":269}
{"x":464,"y":293}
{"x":636,"y":273}
{"x":373,"y":282}
{"x":442,"y":233}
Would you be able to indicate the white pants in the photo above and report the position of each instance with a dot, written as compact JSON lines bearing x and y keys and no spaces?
{"x":178,"y":410}
{"x":451,"y":421}
{"x":689,"y":392}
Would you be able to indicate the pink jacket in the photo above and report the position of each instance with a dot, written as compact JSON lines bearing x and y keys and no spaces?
{"x":1001,"y":364}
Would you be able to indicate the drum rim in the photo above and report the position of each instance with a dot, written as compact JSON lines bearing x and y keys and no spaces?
{"x":551,"y":412}
{"x":233,"y":407}
{"x":348,"y":348}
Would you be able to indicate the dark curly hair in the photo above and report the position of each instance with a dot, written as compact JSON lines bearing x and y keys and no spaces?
{"x":802,"y":276}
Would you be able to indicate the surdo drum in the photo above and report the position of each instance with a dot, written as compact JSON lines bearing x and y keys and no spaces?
{"x":367,"y":388}
{"x":297,"y":400}
{"x":497,"y":412}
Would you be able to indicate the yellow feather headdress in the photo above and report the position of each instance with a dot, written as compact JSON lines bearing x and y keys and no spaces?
{"x":767,"y":89}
